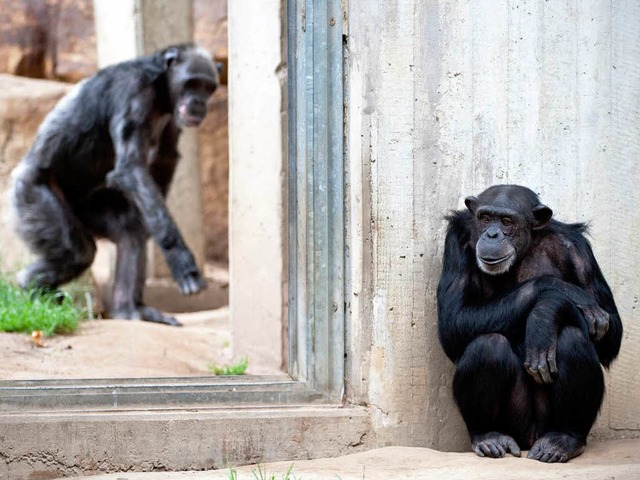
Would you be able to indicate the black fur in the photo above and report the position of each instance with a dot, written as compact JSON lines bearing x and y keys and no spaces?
{"x":527,"y":341}
{"x":101,"y":165}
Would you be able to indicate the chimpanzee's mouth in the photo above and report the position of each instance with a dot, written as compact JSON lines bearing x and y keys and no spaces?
{"x":190,"y":120}
{"x":494,"y":261}
{"x":187,"y":118}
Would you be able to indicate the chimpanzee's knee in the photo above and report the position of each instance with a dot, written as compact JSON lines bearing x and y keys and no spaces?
{"x":492,"y":351}
{"x":488,"y":362}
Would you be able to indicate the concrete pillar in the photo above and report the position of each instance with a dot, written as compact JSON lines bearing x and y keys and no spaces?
{"x":126,"y":29}
{"x":257,"y":224}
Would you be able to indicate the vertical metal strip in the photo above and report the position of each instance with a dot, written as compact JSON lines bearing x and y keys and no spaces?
{"x":316,"y":195}
{"x":296,"y":149}
{"x":321,"y":192}
{"x":336,"y":222}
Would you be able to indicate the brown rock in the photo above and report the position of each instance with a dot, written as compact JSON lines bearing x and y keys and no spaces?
{"x":210,"y":31}
{"x":74,"y":40}
{"x":24,"y":38}
{"x":210,"y":24}
{"x":23,"y":105}
{"x":52,"y":39}
{"x":214,"y":161}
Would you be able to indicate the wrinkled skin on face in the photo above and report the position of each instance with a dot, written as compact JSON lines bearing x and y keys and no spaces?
{"x":503,"y":226}
{"x":193,"y":79}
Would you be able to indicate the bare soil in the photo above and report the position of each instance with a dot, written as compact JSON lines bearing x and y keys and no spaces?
{"x":123,"y":349}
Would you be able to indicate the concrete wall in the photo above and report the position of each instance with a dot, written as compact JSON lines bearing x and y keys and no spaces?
{"x":67,"y":444}
{"x":257,"y":180}
{"x":446,"y":98}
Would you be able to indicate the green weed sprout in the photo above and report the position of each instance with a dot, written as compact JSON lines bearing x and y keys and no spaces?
{"x":238,"y":368}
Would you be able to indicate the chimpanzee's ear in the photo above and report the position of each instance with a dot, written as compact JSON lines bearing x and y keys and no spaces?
{"x":542,"y":214}
{"x":170,"y":56}
{"x":472,"y":204}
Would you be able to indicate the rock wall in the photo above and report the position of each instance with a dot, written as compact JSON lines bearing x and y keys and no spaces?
{"x":23,"y":105}
{"x":210,"y":31}
{"x":51,"y":39}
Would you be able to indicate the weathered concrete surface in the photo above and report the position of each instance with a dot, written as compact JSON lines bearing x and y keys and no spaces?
{"x":46,"y":446}
{"x":257,"y":179}
{"x":613,"y":460}
{"x":23,"y":105}
{"x":443,"y":100}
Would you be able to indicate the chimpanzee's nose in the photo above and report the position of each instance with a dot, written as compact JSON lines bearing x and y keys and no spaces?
{"x":492,"y":232}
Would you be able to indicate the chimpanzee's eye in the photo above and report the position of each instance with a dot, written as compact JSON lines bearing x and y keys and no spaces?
{"x":192,"y":84}
{"x":485,"y":218}
{"x":209,"y":88}
{"x":506,"y":221}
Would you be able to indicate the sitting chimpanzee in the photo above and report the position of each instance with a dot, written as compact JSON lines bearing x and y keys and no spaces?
{"x":527,"y":316}
{"x":101,"y":166}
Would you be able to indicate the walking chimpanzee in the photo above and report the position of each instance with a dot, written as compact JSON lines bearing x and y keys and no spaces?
{"x":101,"y":166}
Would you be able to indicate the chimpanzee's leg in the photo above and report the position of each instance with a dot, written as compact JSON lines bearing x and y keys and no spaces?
{"x":574,"y":400}
{"x":492,"y":395}
{"x":110,"y":214}
{"x":51,"y":230}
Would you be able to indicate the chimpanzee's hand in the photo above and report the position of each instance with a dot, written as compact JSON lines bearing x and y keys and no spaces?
{"x":597,"y":320}
{"x":541,"y":342}
{"x":184,"y":270}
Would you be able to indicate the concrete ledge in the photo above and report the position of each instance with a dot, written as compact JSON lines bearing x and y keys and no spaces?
{"x":46,"y":446}
{"x":611,"y":460}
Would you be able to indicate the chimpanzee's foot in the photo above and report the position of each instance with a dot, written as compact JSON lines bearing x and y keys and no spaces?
{"x":152,"y":315}
{"x":556,"y":447}
{"x":143,"y":312}
{"x":494,"y":444}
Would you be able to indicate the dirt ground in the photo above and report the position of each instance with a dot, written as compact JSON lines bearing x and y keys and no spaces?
{"x":610,"y":460}
{"x":123,"y":349}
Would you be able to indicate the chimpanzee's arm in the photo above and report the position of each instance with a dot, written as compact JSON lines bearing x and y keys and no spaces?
{"x":590,"y":278}
{"x":130,"y":133}
{"x":463,"y":314}
{"x":581,"y":298}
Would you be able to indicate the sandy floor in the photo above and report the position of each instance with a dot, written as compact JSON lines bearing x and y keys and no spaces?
{"x":121,"y":348}
{"x":611,"y":460}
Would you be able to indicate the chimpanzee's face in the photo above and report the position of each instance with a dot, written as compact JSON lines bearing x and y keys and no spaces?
{"x":502,"y":233}
{"x":194,"y":78}
{"x":504,"y":220}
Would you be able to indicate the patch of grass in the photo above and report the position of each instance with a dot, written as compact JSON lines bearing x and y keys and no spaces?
{"x":261,"y":474}
{"x":82,"y":293}
{"x":238,"y":368}
{"x":27,"y":311}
